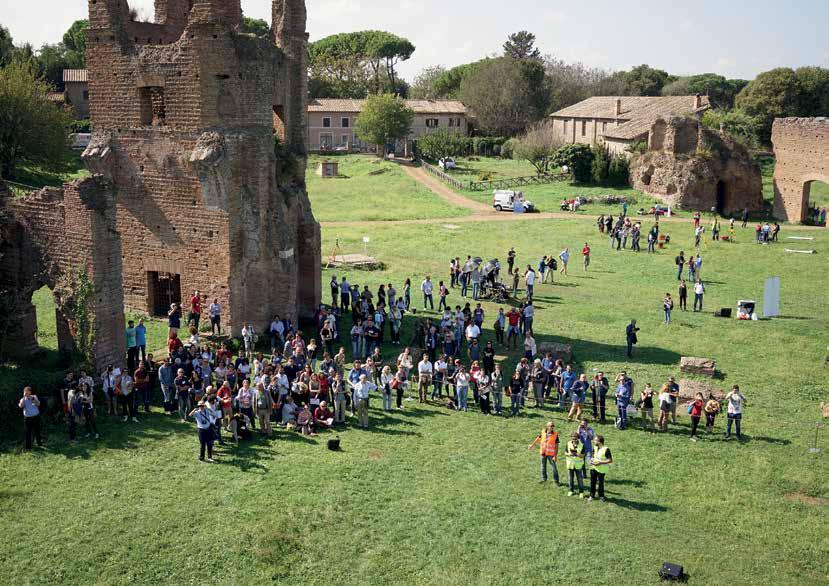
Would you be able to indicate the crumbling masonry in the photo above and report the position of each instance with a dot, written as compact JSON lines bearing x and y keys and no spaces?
{"x":801,"y":148}
{"x":189,"y":193}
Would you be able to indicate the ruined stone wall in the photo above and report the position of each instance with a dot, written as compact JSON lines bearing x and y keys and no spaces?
{"x":801,"y":149}
{"x":48,"y":237}
{"x":691,"y":167}
{"x":183,"y":127}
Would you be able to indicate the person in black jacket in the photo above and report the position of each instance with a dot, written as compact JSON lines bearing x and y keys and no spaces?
{"x":630,"y":334}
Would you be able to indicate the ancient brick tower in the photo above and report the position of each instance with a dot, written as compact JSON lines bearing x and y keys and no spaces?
{"x":184,"y":112}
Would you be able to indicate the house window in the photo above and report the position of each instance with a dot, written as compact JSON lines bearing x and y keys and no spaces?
{"x":326,"y":122}
{"x":584,"y":127}
{"x":85,"y":96}
{"x":565,"y":126}
{"x":604,"y":126}
{"x":153,"y":106}
{"x":451,"y":122}
{"x":345,"y":122}
{"x":432,"y":123}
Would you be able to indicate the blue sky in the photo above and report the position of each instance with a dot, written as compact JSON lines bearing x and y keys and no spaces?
{"x":737,"y":38}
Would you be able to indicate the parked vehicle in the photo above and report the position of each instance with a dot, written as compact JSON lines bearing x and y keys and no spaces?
{"x":447,"y":163}
{"x":506,"y":200}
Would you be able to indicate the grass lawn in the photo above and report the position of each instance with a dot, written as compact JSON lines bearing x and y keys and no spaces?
{"x":371,"y":189}
{"x":431,"y":496}
{"x":37,"y":177}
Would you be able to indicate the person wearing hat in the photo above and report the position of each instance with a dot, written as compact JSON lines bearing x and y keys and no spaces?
{"x":204,"y":424}
{"x":548,"y":440}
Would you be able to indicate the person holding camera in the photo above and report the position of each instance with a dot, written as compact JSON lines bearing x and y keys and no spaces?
{"x":204,"y":424}
{"x":30,"y":405}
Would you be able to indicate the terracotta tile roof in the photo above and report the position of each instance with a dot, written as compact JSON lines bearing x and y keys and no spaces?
{"x":75,"y":75}
{"x":638,"y":112}
{"x":419,"y":106}
{"x":56,"y":97}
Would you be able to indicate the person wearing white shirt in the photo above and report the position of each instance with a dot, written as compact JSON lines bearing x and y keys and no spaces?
{"x":529,"y":314}
{"x":473,"y":332}
{"x":386,"y":378}
{"x":735,"y":401}
{"x":439,"y":376}
{"x":215,"y":312}
{"x":204,"y":423}
{"x":427,"y":287}
{"x":424,"y":378}
{"x":699,"y":289}
{"x":362,"y":392}
{"x":529,"y":279}
{"x":108,"y":388}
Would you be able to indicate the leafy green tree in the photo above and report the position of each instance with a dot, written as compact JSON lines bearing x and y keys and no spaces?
{"x":32,"y":130}
{"x":618,"y":174}
{"x":442,"y":144}
{"x":720,"y":91}
{"x":521,"y":45}
{"x":384,"y":120}
{"x":772,"y":94}
{"x":74,"y":43}
{"x":51,"y":60}
{"x":570,"y":83}
{"x":814,"y":91}
{"x":734,"y":123}
{"x":6,"y":46}
{"x":448,"y":84}
{"x":255,"y":26}
{"x":578,"y":158}
{"x":506,"y":95}
{"x":600,"y":166}
{"x":644,"y":80}
{"x":423,"y":85}
{"x":537,"y":146}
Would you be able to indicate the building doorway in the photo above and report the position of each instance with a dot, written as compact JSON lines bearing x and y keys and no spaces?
{"x":816,"y":201}
{"x":163,"y":289}
{"x":723,"y":205}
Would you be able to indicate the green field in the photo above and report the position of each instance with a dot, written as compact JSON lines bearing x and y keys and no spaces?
{"x":430,"y":496}
{"x":370,"y":189}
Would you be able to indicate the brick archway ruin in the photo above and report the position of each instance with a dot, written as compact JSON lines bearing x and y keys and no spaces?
{"x":801,"y":147}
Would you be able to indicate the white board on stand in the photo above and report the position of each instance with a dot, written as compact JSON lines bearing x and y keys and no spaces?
{"x":771,"y":297}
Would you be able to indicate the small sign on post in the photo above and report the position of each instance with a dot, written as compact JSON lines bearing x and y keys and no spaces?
{"x":366,"y":240}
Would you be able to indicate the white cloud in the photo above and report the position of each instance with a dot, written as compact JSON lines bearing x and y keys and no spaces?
{"x":553,"y":16}
{"x":686,"y":24}
{"x":725,"y":64}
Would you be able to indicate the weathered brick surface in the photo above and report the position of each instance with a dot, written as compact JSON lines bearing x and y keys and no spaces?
{"x":197,"y":186}
{"x":801,"y":147}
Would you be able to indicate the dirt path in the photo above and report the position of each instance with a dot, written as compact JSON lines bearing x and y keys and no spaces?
{"x":443,"y":191}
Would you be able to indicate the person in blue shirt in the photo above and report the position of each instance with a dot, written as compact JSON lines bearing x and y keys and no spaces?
{"x":624,"y":391}
{"x":141,"y":339}
{"x":586,"y":435}
{"x":353,"y":378}
{"x":578,"y":395}
{"x":132,"y":346}
{"x":568,"y":378}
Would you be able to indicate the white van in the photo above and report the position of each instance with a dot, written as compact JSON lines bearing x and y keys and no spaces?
{"x":505,"y":200}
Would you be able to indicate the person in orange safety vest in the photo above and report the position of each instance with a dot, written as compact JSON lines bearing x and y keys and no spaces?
{"x":548,"y":440}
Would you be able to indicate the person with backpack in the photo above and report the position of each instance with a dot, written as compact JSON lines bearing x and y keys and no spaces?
{"x":599,"y":467}
{"x":574,"y":454}
{"x":548,"y":442}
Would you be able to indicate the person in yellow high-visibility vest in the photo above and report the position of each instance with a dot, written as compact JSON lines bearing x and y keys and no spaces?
{"x":548,"y":439}
{"x":599,"y":465}
{"x":575,"y":462}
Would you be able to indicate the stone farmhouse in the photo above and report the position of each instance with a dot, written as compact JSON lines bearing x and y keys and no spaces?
{"x":619,"y":121}
{"x":187,"y":192}
{"x":76,"y":90}
{"x":331,"y":123}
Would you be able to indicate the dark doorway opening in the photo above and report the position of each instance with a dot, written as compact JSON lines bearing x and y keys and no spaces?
{"x":163,"y":289}
{"x":723,"y":205}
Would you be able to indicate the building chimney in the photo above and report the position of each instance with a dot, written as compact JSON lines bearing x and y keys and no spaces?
{"x":618,"y":106}
{"x":697,"y":102}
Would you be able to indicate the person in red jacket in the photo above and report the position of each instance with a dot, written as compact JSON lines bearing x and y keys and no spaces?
{"x":695,"y":410}
{"x":585,"y":252}
{"x":323,"y":416}
{"x":513,"y":318}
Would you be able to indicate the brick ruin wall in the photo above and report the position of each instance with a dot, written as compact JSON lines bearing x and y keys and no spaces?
{"x":801,"y":149}
{"x":50,"y":235}
{"x":183,"y":112}
{"x":691,"y":167}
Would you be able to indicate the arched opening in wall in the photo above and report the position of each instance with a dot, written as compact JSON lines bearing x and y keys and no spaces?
{"x":816,"y":201}
{"x":723,"y":198}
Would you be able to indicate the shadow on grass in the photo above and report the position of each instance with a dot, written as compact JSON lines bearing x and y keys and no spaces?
{"x":638,"y":506}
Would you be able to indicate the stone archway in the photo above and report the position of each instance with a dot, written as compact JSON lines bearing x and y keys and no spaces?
{"x":801,"y":148}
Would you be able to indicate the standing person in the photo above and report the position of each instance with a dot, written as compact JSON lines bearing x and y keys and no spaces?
{"x":667,"y":307}
{"x":683,"y":295}
{"x":462,"y":380}
{"x":166,"y":377}
{"x":664,"y":407}
{"x":127,"y":397}
{"x":424,"y":378}
{"x":510,"y":260}
{"x":599,"y":387}
{"x":564,"y":255}
{"x":624,"y":392}
{"x":244,"y":398}
{"x":585,"y":253}
{"x":578,"y":393}
{"x":339,"y":393}
{"x":141,"y":339}
{"x":194,"y":317}
{"x":574,"y":452}
{"x":745,"y":217}
{"x":443,"y":293}
{"x":386,"y":379}
{"x":652,"y":242}
{"x":132,"y":346}
{"x":712,"y":407}
{"x":529,"y":314}
{"x":264,"y":408}
{"x":568,"y":379}
{"x":30,"y":405}
{"x":362,"y":392}
{"x":407,"y":294}
{"x":529,"y":281}
{"x":204,"y":423}
{"x":548,"y":442}
{"x":695,"y":411}
{"x":484,"y":384}
{"x":182,"y":391}
{"x":599,"y":466}
{"x":673,"y":390}
{"x":680,"y":264}
{"x":734,"y":410}
{"x":539,"y":378}
{"x":631,"y":337}
{"x":586,"y":435}
{"x":699,"y":290}
{"x":646,"y":406}
{"x":173,"y":319}
{"x":215,"y":312}
{"x":516,"y":388}
{"x":497,"y":380}
{"x":427,"y":287}
{"x":513,"y":317}
{"x":499,"y":326}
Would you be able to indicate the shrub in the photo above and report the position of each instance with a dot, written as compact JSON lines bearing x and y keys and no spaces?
{"x":579,"y":159}
{"x":638,"y":147}
{"x":600,"y":166}
{"x":508,"y":149}
{"x":618,"y":173}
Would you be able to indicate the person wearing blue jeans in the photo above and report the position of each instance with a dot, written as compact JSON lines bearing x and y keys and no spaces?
{"x":568,"y":377}
{"x":463,"y":395}
{"x":516,"y":387}
{"x":622,"y":402}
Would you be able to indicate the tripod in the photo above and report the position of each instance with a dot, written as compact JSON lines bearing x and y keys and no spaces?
{"x":334,"y":252}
